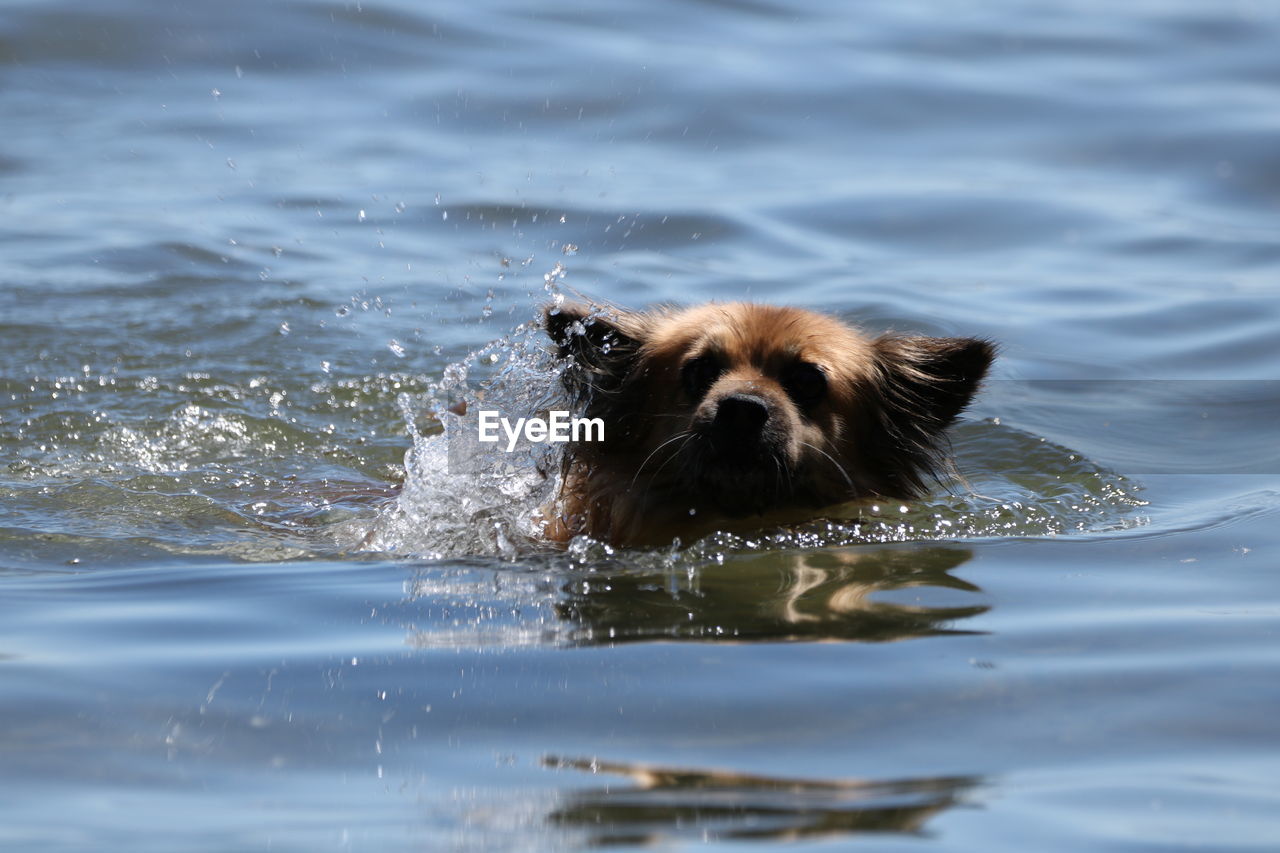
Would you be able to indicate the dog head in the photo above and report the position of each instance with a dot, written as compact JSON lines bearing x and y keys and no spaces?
{"x":742,"y":408}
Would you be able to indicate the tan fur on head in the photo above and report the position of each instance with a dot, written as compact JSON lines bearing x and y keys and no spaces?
{"x":733,"y":413}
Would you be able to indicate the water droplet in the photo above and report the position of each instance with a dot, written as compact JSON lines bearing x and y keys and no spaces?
{"x":216,"y":94}
{"x":396,"y":348}
{"x":570,"y":249}
{"x":231,"y":164}
{"x":360,"y":216}
{"x":284,"y":328}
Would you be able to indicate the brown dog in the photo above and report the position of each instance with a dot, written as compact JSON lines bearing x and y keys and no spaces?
{"x":733,"y":416}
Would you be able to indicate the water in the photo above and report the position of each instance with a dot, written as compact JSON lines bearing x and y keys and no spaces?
{"x":252,"y":251}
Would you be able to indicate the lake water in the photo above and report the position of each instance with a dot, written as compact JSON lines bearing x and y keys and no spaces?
{"x":248,"y":247}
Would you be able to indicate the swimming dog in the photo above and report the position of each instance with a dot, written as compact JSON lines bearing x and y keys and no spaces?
{"x":740,"y":415}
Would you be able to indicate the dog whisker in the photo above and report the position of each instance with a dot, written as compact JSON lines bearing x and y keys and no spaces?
{"x":674,"y":438}
{"x":786,"y":473}
{"x":674,"y":454}
{"x":843,"y":473}
{"x":689,"y":436}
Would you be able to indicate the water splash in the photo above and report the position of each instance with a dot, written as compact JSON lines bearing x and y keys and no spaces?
{"x":462,"y":496}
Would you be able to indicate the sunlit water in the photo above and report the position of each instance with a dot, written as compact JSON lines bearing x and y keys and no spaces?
{"x":259,"y":589}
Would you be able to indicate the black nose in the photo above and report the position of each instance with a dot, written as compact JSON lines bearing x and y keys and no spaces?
{"x":740,"y":417}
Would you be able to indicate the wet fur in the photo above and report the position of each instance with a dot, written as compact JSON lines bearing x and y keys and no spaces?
{"x":764,"y":441}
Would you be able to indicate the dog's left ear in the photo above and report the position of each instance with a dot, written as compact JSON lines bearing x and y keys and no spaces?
{"x":932,"y":379}
{"x":922,"y":384}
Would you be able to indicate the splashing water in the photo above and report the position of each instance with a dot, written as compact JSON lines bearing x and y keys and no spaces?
{"x":462,"y":496}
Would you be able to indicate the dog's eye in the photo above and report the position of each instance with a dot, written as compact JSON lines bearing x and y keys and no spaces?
{"x":699,"y":374}
{"x":805,"y":383}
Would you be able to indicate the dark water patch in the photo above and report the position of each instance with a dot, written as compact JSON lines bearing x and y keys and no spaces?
{"x":945,"y":222}
{"x":314,"y":204}
{"x":129,"y":36}
{"x":35,"y":551}
{"x":714,"y":13}
{"x":1249,"y":353}
{"x":1204,"y":251}
{"x":1234,"y":165}
{"x":1209,"y":337}
{"x":1052,"y":38}
{"x":1155,"y":426}
{"x":92,"y":510}
{"x":162,"y":257}
{"x":573,"y":230}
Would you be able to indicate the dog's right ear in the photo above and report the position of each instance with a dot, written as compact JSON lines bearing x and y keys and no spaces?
{"x":594,"y":339}
{"x":602,"y":347}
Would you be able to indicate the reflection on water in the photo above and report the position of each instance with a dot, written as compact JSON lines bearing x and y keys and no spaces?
{"x":816,"y":595}
{"x":831,"y":595}
{"x":665,"y":804}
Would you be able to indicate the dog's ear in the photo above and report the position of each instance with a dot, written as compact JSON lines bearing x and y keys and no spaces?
{"x":589,"y":335}
{"x":933,"y":379}
{"x":922,"y":385}
{"x":602,"y":347}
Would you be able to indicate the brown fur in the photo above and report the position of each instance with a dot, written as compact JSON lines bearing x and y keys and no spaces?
{"x":733,"y":415}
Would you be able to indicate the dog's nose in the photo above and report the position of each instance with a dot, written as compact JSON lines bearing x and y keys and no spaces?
{"x":740,"y":416}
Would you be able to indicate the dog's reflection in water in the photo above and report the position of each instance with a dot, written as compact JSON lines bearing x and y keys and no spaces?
{"x":818,"y":595}
{"x":827,"y":595}
{"x":824,"y":595}
{"x":664,"y":804}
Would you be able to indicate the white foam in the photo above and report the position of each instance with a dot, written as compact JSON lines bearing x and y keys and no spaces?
{"x":462,"y":496}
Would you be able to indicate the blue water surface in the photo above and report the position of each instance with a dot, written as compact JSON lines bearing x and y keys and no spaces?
{"x":245,"y":245}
